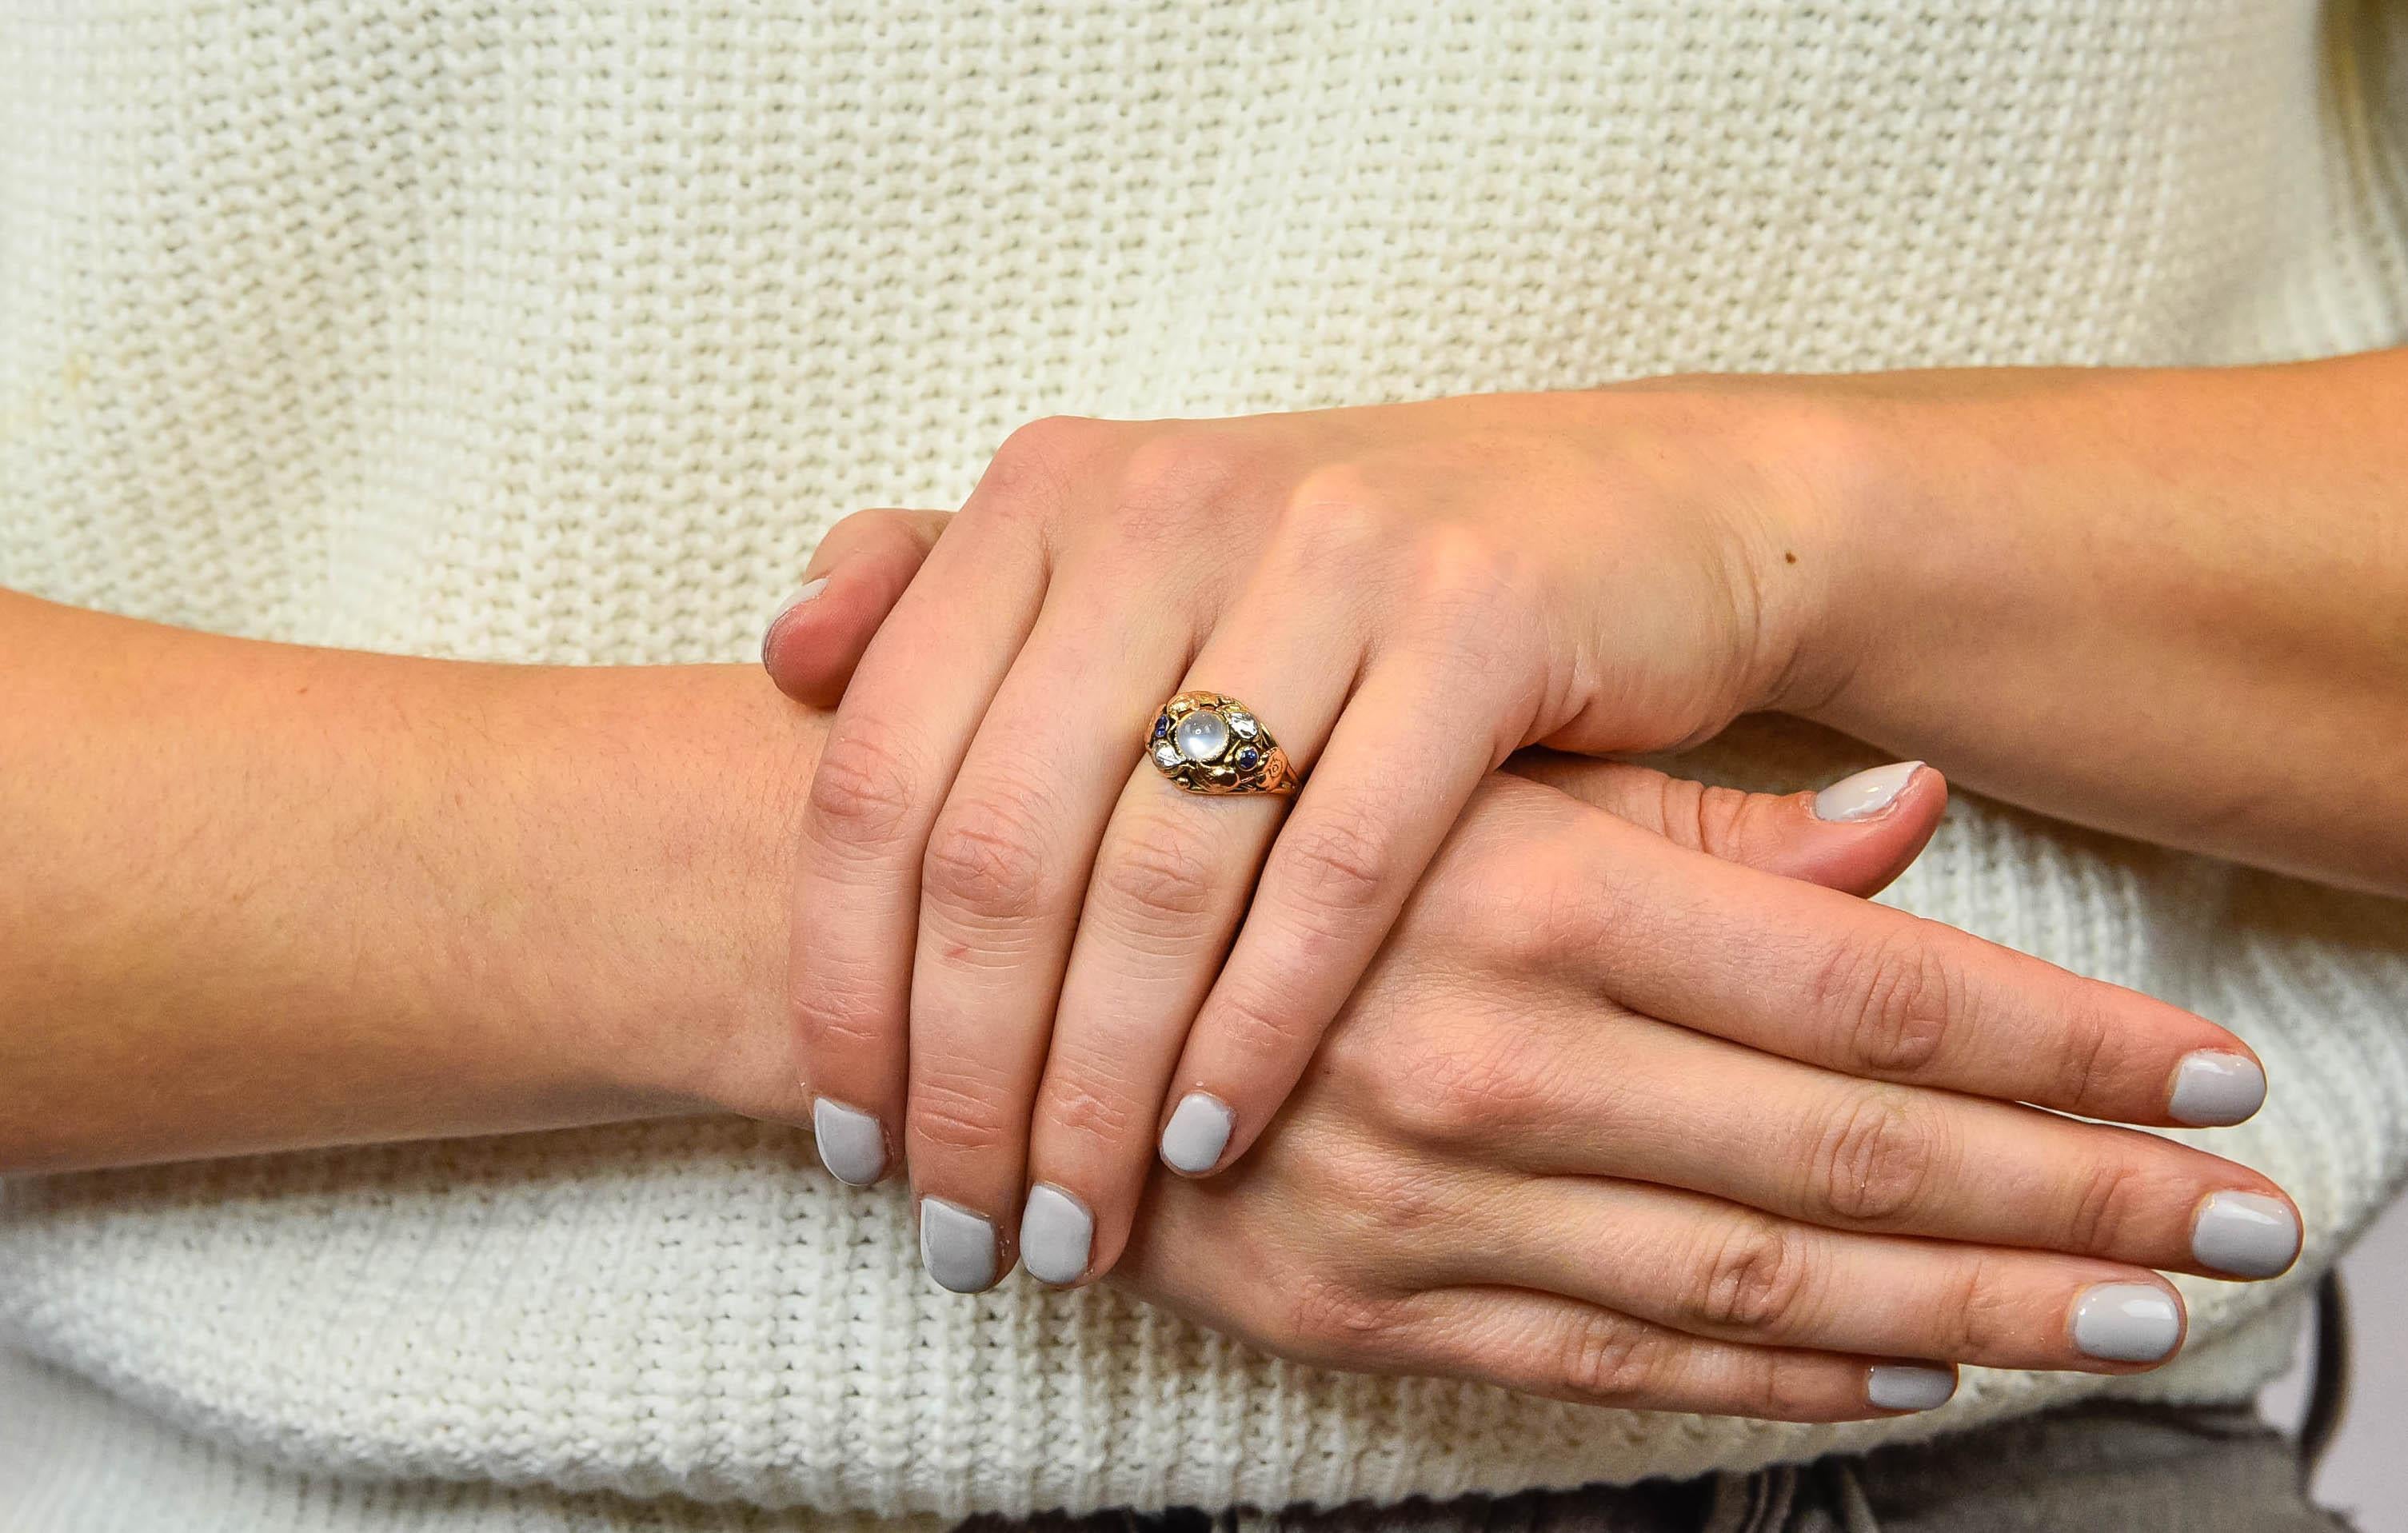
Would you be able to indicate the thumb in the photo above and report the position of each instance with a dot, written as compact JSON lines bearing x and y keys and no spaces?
{"x":856,"y":577}
{"x":1855,"y":836}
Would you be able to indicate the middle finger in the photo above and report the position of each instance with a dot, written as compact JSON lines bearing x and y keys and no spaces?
{"x":1001,"y":887}
{"x":1644,"y":1099}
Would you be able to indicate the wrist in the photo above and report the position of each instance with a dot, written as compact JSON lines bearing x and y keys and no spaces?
{"x":1862,"y":530}
{"x":1793,"y":466}
{"x":1848,"y":495}
{"x":663,"y":834}
{"x":1919,"y":499}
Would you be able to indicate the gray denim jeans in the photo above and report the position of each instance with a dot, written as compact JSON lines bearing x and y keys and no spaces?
{"x":2089,"y":1470}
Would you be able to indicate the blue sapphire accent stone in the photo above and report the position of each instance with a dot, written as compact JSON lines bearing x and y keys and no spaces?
{"x":1162,"y":726}
{"x":1247,"y":756}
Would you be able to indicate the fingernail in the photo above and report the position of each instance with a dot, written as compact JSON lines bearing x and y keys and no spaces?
{"x":956,"y":1246}
{"x":2217,"y":1089}
{"x":2126,"y":1322}
{"x":1866,"y":794}
{"x":1198,"y":1131}
{"x":2248,"y":1235}
{"x":1903,"y":1386}
{"x":1056,"y":1233}
{"x":804,"y":592}
{"x":851,"y":1145}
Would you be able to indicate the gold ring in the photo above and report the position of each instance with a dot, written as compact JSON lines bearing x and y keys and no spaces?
{"x":1207,"y":743}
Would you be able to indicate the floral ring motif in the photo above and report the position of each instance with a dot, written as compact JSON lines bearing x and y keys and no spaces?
{"x":1207,"y":743}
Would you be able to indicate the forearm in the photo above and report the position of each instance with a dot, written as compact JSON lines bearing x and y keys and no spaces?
{"x":257,"y":896}
{"x":2168,"y":603}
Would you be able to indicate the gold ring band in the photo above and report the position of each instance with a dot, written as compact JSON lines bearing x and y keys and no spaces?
{"x":1207,"y":743}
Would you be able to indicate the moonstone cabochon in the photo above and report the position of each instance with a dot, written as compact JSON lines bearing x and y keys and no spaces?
{"x":1202,"y":736}
{"x":1207,"y":743}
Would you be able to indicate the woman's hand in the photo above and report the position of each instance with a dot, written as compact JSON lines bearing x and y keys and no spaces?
{"x":1402,"y":595}
{"x":1534,"y":1151}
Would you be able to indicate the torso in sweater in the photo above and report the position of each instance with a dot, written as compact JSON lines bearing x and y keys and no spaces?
{"x":512,"y":329}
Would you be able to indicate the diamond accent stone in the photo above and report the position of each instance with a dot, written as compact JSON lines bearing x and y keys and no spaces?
{"x":1202,"y":736}
{"x":1243,"y":722}
{"x":1165,"y":753}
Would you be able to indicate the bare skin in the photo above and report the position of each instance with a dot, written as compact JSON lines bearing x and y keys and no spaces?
{"x":260,"y":896}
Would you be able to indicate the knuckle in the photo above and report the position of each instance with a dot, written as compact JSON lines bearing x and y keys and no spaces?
{"x":1607,"y":1360}
{"x":957,"y":1114}
{"x":1182,"y":472}
{"x":1789,"y":1387}
{"x":986,"y":859}
{"x":1331,"y":1318}
{"x":2107,"y":1201}
{"x":1162,"y":876}
{"x":1035,"y":458}
{"x":1354,"y":1175}
{"x":1389,"y":1198}
{"x":1753,"y":1279}
{"x":1542,"y":910}
{"x":1089,"y":1100}
{"x":1471,"y":1087}
{"x":1976,"y":1316}
{"x":1704,"y":817}
{"x":1894,"y":997}
{"x":1173,"y":488}
{"x":1257,"y":1031}
{"x":1336,"y":501}
{"x":1680,"y":812}
{"x":1339,"y":861}
{"x":1335,"y":524}
{"x":1717,"y":820}
{"x":2087,"y":1066}
{"x":1875,"y":1159}
{"x":828,"y":1023}
{"x":1472,"y":596}
{"x":863,"y":790}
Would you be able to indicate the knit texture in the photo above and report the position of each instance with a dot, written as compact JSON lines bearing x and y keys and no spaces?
{"x":487,"y":328}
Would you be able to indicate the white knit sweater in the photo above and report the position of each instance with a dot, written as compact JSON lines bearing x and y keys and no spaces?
{"x":493,"y":328}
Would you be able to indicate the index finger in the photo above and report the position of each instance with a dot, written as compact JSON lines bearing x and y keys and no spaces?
{"x":1831,"y":979}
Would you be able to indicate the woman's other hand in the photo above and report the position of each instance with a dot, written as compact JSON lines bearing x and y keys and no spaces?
{"x":1617,"y":1121}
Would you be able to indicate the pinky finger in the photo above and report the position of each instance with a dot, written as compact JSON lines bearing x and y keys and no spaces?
{"x":1563,"y":1349}
{"x":854,"y":579}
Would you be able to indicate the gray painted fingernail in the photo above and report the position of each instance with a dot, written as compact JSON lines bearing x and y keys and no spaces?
{"x":956,"y":1246}
{"x":1866,"y":794}
{"x":1902,"y":1386}
{"x":2215,"y":1089}
{"x":851,"y":1145}
{"x":2126,"y":1322}
{"x":1198,"y":1131}
{"x":2247,"y":1235}
{"x":1056,"y":1232}
{"x":804,"y":592}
